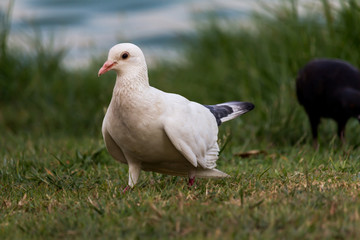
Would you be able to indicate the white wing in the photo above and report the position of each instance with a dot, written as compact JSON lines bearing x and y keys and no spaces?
{"x":192,"y":129}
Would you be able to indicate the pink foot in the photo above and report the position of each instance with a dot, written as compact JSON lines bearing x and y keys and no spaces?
{"x":191,"y":181}
{"x":126,"y":189}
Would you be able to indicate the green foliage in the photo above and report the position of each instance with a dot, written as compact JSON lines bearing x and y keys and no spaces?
{"x":39,"y":96}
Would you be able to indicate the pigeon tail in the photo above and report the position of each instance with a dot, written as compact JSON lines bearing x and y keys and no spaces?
{"x":226,"y":111}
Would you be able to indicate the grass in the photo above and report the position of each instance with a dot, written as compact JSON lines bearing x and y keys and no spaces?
{"x":69,"y":188}
{"x":58,"y":181}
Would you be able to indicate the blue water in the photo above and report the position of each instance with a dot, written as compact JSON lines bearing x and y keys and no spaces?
{"x":88,"y":28}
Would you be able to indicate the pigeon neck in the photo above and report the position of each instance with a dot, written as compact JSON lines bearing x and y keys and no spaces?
{"x":131,"y":82}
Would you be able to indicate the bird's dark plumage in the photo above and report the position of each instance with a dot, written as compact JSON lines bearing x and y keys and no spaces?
{"x":229,"y":110}
{"x":329,"y":88}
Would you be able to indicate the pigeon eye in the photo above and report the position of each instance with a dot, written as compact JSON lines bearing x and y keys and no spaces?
{"x":124,"y":55}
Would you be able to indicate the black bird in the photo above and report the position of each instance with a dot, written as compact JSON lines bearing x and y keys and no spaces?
{"x":329,"y":88}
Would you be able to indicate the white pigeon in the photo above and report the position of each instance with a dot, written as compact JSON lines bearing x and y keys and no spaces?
{"x":152,"y":130}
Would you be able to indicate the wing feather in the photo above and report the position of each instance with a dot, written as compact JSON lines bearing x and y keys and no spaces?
{"x":193,"y":132}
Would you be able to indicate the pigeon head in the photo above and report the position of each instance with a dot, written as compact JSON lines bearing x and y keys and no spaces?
{"x":124,"y":58}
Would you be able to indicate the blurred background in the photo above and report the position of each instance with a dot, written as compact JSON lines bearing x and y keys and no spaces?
{"x":88,"y":28}
{"x":208,"y":51}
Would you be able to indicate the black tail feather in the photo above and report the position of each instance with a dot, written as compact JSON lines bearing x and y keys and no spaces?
{"x":226,"y":111}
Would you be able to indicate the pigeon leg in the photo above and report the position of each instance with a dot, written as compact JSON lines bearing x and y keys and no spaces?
{"x":191,"y":181}
{"x":314,"y":122}
{"x":191,"y":178}
{"x":127,"y":188}
{"x":134,"y":173}
{"x":341,"y":131}
{"x":342,"y":136}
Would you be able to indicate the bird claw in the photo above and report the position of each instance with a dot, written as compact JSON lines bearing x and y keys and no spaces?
{"x":127,"y":188}
{"x":191,"y":181}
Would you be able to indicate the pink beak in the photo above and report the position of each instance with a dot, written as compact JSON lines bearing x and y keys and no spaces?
{"x":106,"y":67}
